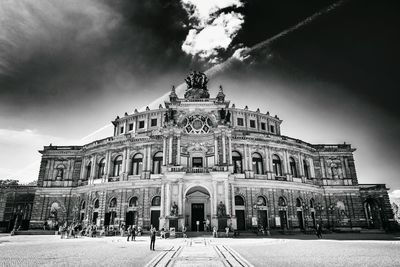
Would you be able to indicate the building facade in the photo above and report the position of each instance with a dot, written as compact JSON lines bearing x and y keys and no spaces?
{"x":200,"y":161}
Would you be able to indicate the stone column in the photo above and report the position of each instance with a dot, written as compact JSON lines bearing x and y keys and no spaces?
{"x":170,"y":150}
{"x":230,"y":149}
{"x":93,"y":170}
{"x":226,"y":189}
{"x":266,"y":160}
{"x":250,"y":158}
{"x":180,"y":198}
{"x":323,"y":170}
{"x":164,"y":150}
{"x":168,"y":204}
{"x":145,"y":158}
{"x":108,"y":165}
{"x":245,"y":159}
{"x":223,"y":148}
{"x":82,"y":174}
{"x":126,"y":126}
{"x":162,"y":210}
{"x":344,"y":171}
{"x":126,"y":166}
{"x":233,"y":200}
{"x":285,"y":163}
{"x":149,"y":157}
{"x":214,"y":199}
{"x":178,"y":151}
{"x":312,"y":170}
{"x":301,"y":165}
{"x":215,"y":150}
{"x":124,"y":158}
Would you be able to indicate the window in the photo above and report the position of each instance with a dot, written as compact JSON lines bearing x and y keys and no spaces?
{"x":257,"y":164}
{"x":261,"y":201}
{"x":311,"y":203}
{"x":153,"y":122}
{"x":133,"y":202}
{"x":96,"y":204}
{"x":88,"y":170}
{"x":141,"y":124}
{"x":293,"y":169}
{"x":60,"y":172}
{"x":156,"y":201}
{"x":239,"y":201}
{"x":298,"y":202}
{"x":83,"y":205}
{"x":121,"y":130}
{"x":282,"y":202}
{"x":306,"y":169}
{"x":277,"y":165}
{"x":237,"y":162}
{"x":113,"y":203}
{"x":102,"y":166}
{"x":117,"y":166}
{"x":252,"y":123}
{"x":157,"y":162}
{"x":263,"y":126}
{"x":137,"y":164}
{"x":272,"y":129}
{"x":240,"y":122}
{"x":197,"y":124}
{"x":130,"y":126}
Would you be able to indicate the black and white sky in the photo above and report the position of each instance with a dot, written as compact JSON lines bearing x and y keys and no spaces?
{"x":67,"y":68}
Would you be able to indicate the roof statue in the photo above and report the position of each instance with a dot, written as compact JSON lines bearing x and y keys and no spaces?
{"x":196,"y":85}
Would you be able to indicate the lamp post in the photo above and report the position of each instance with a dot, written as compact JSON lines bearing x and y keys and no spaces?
{"x":320,"y":208}
{"x":305,"y":209}
{"x":331,"y":209}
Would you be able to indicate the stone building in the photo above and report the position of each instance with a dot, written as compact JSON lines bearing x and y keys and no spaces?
{"x":200,"y":161}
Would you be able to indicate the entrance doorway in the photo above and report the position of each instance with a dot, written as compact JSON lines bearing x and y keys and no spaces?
{"x":197,"y":162}
{"x":240,"y":220}
{"x":197,"y":216}
{"x":155,"y":218}
{"x":130,"y":218}
{"x":283,"y":218}
{"x":300,"y":219}
{"x":263,"y":219}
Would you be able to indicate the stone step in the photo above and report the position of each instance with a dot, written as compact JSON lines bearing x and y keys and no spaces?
{"x":36,"y":232}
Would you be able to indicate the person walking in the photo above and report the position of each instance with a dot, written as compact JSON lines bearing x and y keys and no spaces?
{"x":134,"y":233}
{"x":153,"y":232}
{"x":227,"y":231}
{"x":184,"y":231}
{"x":215,"y":233}
{"x":319,"y":231}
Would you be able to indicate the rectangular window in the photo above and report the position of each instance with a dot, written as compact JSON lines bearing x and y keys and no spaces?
{"x":153,"y":122}
{"x":141,"y":124}
{"x":263,"y":126}
{"x":121,"y":130}
{"x":130,"y":126}
{"x":272,"y":129}
{"x":252,"y":123}
{"x":240,"y":122}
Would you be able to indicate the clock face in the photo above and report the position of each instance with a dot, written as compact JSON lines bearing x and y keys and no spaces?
{"x":197,"y":124}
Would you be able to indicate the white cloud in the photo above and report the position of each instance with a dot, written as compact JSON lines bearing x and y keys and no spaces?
{"x":210,"y":31}
{"x":240,"y":53}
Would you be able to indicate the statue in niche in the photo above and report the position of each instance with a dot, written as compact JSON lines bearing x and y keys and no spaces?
{"x":174,"y":210}
{"x":221,"y":210}
{"x":334,"y":171}
{"x":60,"y":173}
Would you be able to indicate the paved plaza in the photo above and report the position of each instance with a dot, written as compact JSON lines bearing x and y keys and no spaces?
{"x":333,"y":250}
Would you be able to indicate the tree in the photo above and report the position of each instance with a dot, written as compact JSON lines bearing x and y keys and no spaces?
{"x":8,"y":182}
{"x":396,"y":211}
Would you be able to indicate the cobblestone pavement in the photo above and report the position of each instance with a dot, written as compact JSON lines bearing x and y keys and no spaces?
{"x":52,"y":251}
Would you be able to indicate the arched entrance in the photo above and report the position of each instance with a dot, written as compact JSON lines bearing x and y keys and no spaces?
{"x":372,"y":213}
{"x":197,"y":208}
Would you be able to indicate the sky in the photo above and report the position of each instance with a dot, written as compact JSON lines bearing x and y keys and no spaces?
{"x":67,"y":68}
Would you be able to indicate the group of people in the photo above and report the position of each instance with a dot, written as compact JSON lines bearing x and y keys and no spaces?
{"x":77,"y":230}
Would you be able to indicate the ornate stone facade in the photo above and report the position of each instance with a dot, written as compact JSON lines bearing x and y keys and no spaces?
{"x":201,"y":162}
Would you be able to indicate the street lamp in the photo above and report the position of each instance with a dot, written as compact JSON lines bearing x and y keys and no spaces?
{"x":320,"y":208}
{"x":305,"y":209}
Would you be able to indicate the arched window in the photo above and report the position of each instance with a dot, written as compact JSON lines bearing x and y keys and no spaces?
{"x":157,"y":162}
{"x":137,"y":164}
{"x":282,"y":202}
{"x":88,"y":170}
{"x":261,"y":201}
{"x":306,"y":169}
{"x":277,"y":165}
{"x":96,"y":204}
{"x":312,"y":203}
{"x":113,"y":203}
{"x":257,"y":164}
{"x":298,"y":202}
{"x":83,"y":205}
{"x":117,"y":166}
{"x":239,"y":201}
{"x":102,"y":167}
{"x":156,"y":201}
{"x":237,"y":162}
{"x":133,"y":202}
{"x":293,"y":169}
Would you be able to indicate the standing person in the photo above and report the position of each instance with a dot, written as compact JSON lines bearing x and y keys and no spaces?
{"x":227,"y":231}
{"x":129,"y":232}
{"x":152,"y":237}
{"x":184,"y":231}
{"x":319,"y":231}
{"x":215,"y":234}
{"x":134,"y":233}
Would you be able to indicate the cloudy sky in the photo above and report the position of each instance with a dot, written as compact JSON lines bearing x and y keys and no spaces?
{"x":67,"y":68}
